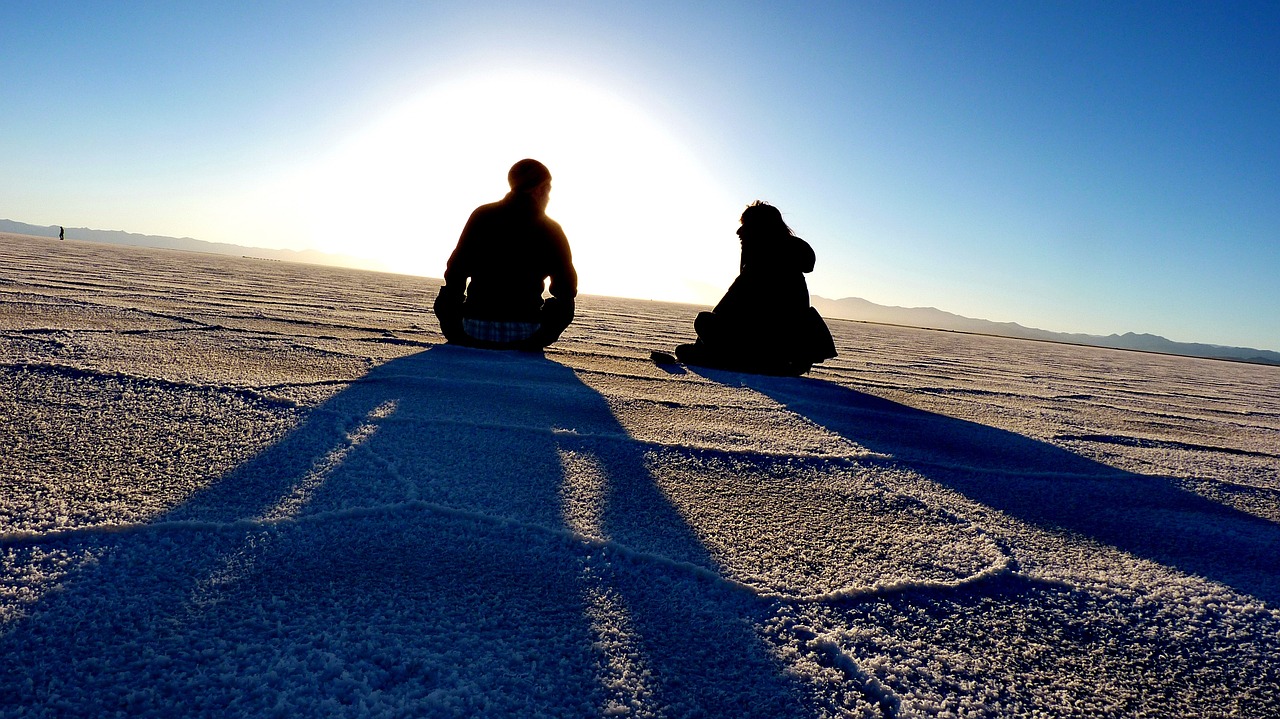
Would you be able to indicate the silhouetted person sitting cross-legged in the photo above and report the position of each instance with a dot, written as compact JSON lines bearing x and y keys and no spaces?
{"x":492,"y":296}
{"x":764,"y":323}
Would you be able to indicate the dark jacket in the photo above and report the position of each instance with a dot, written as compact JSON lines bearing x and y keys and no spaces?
{"x":764,"y":322}
{"x":770,"y":286}
{"x":507,"y":250}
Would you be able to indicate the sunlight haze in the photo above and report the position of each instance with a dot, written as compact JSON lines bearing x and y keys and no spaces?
{"x":629,"y":196}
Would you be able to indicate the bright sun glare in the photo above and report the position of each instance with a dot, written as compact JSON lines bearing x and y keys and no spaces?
{"x":643,"y":218}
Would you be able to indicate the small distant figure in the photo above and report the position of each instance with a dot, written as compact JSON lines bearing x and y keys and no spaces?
{"x":764,"y":323}
{"x":62,"y":234}
{"x":494,"y":281}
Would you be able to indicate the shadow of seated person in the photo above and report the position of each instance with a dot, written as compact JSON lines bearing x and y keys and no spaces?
{"x":494,"y":281}
{"x":1148,"y":516}
{"x":764,"y":323}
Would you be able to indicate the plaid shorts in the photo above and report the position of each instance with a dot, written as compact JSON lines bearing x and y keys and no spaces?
{"x":499,"y":332}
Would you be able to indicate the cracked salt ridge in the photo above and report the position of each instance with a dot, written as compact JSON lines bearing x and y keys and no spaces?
{"x":1147,"y":442}
{"x":1004,"y":565}
{"x":846,"y":593}
{"x":831,"y":595}
{"x":247,"y":393}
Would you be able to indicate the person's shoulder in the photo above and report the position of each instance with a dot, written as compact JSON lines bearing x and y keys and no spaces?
{"x":553,"y":225}
{"x":485,"y":215}
{"x":488,"y":208}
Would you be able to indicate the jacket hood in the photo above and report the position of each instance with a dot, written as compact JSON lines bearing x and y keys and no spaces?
{"x":786,"y":254}
{"x":802,"y":255}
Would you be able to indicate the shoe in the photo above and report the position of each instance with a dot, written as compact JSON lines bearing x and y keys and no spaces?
{"x":689,"y":353}
{"x":663,"y":357}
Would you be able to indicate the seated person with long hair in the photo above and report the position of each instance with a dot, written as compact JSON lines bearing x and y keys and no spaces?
{"x":764,"y":323}
{"x":492,"y":296}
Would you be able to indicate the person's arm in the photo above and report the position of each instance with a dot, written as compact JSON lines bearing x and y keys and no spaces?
{"x":458,"y":269}
{"x":732,"y":304}
{"x":448,"y":304}
{"x":564,"y":278}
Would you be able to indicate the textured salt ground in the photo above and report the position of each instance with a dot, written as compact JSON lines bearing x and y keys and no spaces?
{"x":250,"y":488}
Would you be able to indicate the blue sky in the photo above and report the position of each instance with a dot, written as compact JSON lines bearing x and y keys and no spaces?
{"x":1076,"y":166}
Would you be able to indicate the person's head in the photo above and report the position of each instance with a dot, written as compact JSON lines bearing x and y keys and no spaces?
{"x":761,"y":219}
{"x":532,"y":178}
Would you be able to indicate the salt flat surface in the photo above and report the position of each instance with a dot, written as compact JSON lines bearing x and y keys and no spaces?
{"x":233,"y":487}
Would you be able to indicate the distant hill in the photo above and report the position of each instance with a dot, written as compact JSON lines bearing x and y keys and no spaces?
{"x":855,"y":308}
{"x":117,"y":237}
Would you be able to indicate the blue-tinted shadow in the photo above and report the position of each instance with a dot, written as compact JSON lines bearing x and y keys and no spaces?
{"x":1045,"y":485}
{"x":424,"y":552}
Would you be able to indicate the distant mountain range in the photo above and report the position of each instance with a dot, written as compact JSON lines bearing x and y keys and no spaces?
{"x":854,"y":308}
{"x":117,"y":237}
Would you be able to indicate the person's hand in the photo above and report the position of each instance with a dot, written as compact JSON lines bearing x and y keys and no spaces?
{"x":448,"y":301}
{"x":556,"y":309}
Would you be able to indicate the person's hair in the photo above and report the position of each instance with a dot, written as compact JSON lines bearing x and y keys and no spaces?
{"x":765,"y":219}
{"x":527,"y":174}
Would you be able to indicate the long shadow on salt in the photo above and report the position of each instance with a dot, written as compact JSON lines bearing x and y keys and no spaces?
{"x":438,"y":538}
{"x":1037,"y":482}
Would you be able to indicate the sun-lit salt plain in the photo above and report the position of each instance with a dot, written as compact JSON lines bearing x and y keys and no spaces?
{"x":233,"y":487}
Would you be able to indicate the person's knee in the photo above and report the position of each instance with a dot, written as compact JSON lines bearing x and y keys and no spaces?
{"x":557,"y":312}
{"x":556,"y":315}
{"x":553,"y":319}
{"x":707,"y":324}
